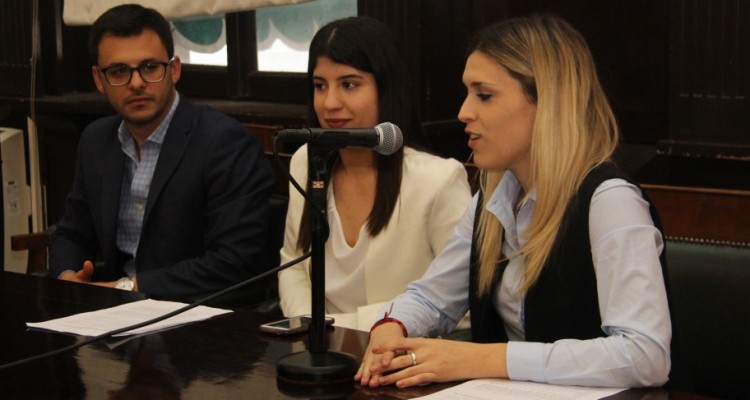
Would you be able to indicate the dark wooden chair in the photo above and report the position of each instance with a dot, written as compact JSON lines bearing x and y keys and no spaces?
{"x":37,"y":245}
{"x":264,"y":134}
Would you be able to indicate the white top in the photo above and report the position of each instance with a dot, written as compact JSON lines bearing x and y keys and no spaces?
{"x":632,"y":298}
{"x":434,"y":194}
{"x":345,"y":265}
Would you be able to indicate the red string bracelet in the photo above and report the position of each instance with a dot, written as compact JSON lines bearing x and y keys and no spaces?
{"x":387,"y":319}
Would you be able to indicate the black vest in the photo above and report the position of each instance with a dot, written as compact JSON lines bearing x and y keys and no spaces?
{"x":563,"y":302}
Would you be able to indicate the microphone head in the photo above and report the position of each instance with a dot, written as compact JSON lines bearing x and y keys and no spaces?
{"x":391,"y":138}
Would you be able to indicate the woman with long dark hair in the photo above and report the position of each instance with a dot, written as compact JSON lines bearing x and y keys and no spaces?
{"x":389,"y":215}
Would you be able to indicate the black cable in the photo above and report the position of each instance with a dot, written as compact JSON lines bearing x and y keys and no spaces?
{"x":318,"y":211}
{"x":284,"y":168}
{"x":189,"y":306}
{"x":293,"y":181}
{"x":159,"y":318}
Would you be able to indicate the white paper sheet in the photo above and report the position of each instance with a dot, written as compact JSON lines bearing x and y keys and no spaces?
{"x":503,"y":389}
{"x":97,"y":322}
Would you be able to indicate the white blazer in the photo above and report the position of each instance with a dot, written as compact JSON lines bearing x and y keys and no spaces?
{"x":434,"y":195}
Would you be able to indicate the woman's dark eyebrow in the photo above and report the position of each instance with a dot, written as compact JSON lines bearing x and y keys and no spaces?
{"x":341,"y":78}
{"x":349,"y":76}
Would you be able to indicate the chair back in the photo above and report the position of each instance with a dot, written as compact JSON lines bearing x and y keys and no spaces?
{"x":711,"y":315}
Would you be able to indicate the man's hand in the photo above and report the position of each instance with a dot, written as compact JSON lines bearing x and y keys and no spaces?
{"x":84,"y":275}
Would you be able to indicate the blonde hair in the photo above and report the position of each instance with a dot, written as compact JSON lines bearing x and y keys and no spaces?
{"x":574,"y":131}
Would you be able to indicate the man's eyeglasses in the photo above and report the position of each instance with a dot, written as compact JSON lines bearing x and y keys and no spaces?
{"x":120,"y":74}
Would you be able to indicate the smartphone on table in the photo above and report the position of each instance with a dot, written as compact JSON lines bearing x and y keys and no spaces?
{"x":291,"y":326}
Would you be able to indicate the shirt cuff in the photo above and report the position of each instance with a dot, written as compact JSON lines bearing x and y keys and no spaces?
{"x":525,"y":361}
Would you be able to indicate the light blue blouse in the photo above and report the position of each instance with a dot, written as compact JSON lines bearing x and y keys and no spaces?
{"x":632,"y":297}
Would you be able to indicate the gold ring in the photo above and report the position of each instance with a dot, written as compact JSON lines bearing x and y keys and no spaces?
{"x":413,"y":359}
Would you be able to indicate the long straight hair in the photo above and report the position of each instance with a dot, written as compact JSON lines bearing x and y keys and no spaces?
{"x":574,"y":131}
{"x":367,"y":45}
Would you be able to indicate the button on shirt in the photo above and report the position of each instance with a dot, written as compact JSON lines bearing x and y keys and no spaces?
{"x":136,"y":182}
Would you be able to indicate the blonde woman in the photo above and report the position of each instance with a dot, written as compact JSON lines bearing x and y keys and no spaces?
{"x":560,"y":256}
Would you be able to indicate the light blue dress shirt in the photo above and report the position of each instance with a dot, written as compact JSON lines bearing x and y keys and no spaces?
{"x":632,"y":297}
{"x":136,"y":182}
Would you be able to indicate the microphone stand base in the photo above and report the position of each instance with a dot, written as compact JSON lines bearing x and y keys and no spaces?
{"x":306,"y":368}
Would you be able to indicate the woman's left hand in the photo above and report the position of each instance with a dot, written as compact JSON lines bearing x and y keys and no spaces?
{"x":439,"y":360}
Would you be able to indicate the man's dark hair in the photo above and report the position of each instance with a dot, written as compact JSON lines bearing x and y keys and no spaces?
{"x":129,"y":20}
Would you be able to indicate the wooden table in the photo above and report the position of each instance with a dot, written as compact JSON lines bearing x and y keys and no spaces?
{"x":223,"y":358}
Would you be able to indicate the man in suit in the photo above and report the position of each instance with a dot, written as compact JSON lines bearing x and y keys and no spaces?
{"x":171,"y":196}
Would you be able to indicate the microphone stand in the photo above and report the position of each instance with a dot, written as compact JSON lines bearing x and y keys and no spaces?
{"x":317,"y":365}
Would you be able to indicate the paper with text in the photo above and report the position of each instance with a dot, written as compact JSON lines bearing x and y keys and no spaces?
{"x":503,"y":389}
{"x":98,"y":322}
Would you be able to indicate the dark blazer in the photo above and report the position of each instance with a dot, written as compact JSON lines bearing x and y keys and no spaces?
{"x":206,"y":218}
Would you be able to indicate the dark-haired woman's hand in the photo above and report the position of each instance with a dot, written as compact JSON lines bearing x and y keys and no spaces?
{"x":372,"y":361}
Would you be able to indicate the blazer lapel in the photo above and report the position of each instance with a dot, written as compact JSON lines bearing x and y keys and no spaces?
{"x":111,"y":187}
{"x":172,"y":150}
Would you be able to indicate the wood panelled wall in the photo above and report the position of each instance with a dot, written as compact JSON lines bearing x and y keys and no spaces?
{"x":15,"y":45}
{"x":710,"y":78}
{"x":676,"y":72}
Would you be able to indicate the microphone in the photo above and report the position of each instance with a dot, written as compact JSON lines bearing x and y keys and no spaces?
{"x":385,"y":138}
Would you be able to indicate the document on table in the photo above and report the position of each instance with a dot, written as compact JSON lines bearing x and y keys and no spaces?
{"x":503,"y":389}
{"x":98,"y":322}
